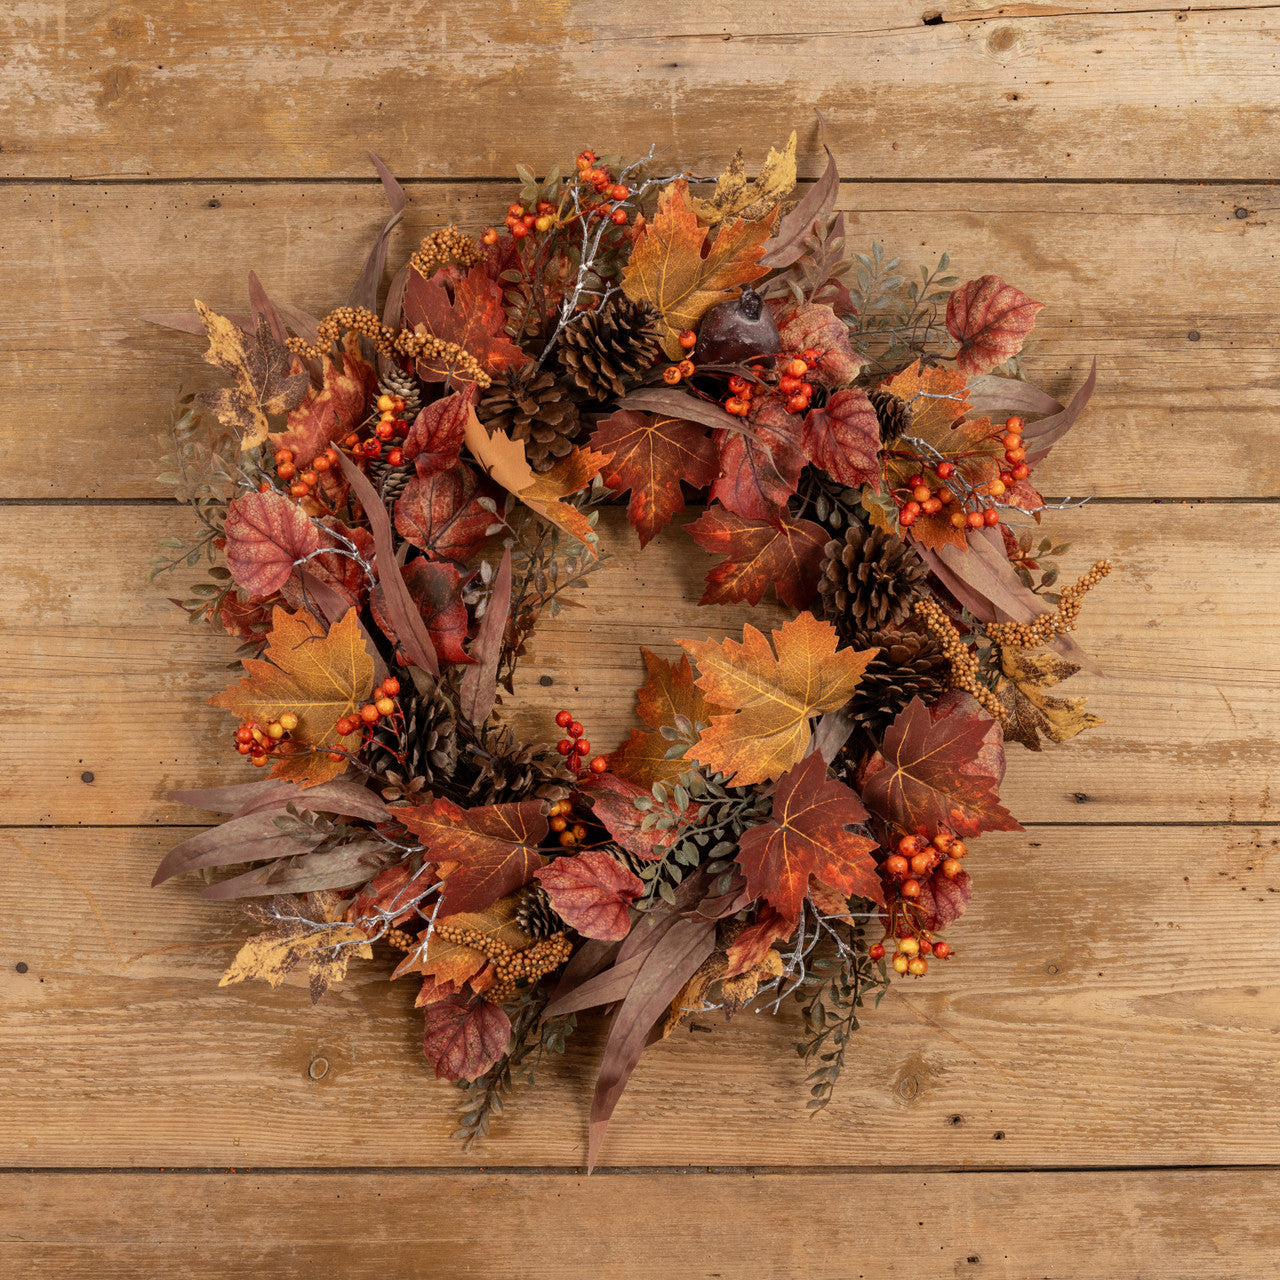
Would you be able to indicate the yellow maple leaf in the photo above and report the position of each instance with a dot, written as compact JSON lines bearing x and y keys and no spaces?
{"x":262,"y":383}
{"x":1027,"y":711}
{"x":734,"y":196}
{"x":571,"y":474}
{"x":774,"y":697}
{"x":669,"y":269}
{"x":318,"y":676}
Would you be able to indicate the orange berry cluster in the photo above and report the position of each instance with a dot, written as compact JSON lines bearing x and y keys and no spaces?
{"x":259,"y":742}
{"x":545,"y":216}
{"x":918,"y":856}
{"x":575,"y":747}
{"x":442,"y":244}
{"x":510,"y":968}
{"x":792,"y":386}
{"x":911,"y":954}
{"x":383,"y":705}
{"x":303,"y":483}
{"x":560,"y":820}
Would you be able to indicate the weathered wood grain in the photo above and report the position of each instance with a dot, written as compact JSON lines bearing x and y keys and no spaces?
{"x":244,"y":89}
{"x":1113,"y":1000}
{"x":1179,"y":1225}
{"x":105,"y":676}
{"x":1159,"y":283}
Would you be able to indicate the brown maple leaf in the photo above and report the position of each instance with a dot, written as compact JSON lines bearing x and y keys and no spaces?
{"x":652,"y":456}
{"x":494,"y":847}
{"x":750,"y":947}
{"x":262,"y":383}
{"x":806,"y":835}
{"x":815,"y":325}
{"x":318,"y":675}
{"x":735,"y":197}
{"x":990,"y":320}
{"x":931,"y":774}
{"x":673,"y":268}
{"x":760,"y":468}
{"x":456,"y":963}
{"x":1027,"y":711}
{"x":774,"y":697}
{"x":570,"y":475}
{"x":443,"y":515}
{"x":784,"y":554}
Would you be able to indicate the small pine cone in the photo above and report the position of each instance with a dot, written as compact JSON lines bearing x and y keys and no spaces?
{"x":395,"y":382}
{"x":395,"y":482}
{"x":892,"y":413}
{"x":632,"y":861}
{"x":605,"y":348}
{"x":424,"y":746}
{"x":535,"y":914}
{"x":869,"y":580}
{"x":511,"y":771}
{"x":909,"y":665}
{"x":535,"y":408}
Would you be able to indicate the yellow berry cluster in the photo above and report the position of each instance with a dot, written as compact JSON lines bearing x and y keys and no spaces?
{"x":510,"y":967}
{"x":964,"y":664}
{"x":1026,"y":635}
{"x":437,"y":248}
{"x":406,"y":343}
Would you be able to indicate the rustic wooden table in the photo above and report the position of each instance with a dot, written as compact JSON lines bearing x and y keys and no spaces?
{"x":1089,"y":1092}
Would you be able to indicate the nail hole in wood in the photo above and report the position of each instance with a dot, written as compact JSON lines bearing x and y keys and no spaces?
{"x":932,"y":19}
{"x":1194,"y":335}
{"x":546,"y":681}
{"x":87,"y":776}
{"x":21,"y":966}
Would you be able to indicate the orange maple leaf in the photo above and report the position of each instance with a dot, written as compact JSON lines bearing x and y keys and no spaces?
{"x":319,"y":677}
{"x":674,"y":270}
{"x":773,"y":697}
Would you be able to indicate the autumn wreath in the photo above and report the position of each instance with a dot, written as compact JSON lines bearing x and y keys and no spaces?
{"x":389,"y":499}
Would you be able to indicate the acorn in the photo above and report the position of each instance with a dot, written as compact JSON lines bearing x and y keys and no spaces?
{"x":737,"y":330}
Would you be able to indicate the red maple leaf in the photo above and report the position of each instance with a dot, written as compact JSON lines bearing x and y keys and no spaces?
{"x":843,"y":438}
{"x":652,"y":455}
{"x":749,"y":948}
{"x":805,"y":835}
{"x":815,"y":325}
{"x":593,"y":892}
{"x":435,"y":439}
{"x":784,"y":554}
{"x":463,"y":1038}
{"x":339,"y":405}
{"x":266,"y":533}
{"x":435,"y":586}
{"x":442,"y":514}
{"x":473,"y":317}
{"x":759,"y":467}
{"x":990,"y":320}
{"x":494,"y":847}
{"x":930,"y":774}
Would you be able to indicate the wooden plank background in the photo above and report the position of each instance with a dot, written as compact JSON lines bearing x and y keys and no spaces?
{"x":1088,"y":1091}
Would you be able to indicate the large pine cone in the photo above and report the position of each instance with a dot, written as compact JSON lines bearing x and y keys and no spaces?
{"x":423,"y":746}
{"x":869,"y":580}
{"x":535,"y":408}
{"x":606,"y":348}
{"x":891,"y":412}
{"x":908,"y":665}
{"x":510,"y":771}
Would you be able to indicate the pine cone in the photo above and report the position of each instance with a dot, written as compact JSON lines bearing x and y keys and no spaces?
{"x":395,"y":382}
{"x":892,"y":413}
{"x":535,"y":914}
{"x":910,"y":664}
{"x":534,"y":408}
{"x":510,"y":771}
{"x":604,"y":348}
{"x":423,"y":748}
{"x":869,"y":579}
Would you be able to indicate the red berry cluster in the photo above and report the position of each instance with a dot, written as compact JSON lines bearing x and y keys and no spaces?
{"x":560,"y":820}
{"x":575,"y":747}
{"x":382,"y":441}
{"x":792,"y":386}
{"x":544,"y":216}
{"x":303,"y":483}
{"x":918,"y":857}
{"x":259,"y":742}
{"x":383,"y":706}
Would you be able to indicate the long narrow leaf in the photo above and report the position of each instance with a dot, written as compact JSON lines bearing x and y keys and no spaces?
{"x":364,"y":293}
{"x":478,"y":689}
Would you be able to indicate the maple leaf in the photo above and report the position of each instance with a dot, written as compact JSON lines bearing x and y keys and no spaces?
{"x":454,"y":962}
{"x":734,"y":196}
{"x":843,"y":438}
{"x":773,"y":697}
{"x":265,"y":534}
{"x":312,"y":933}
{"x":927,"y":774}
{"x":435,"y":438}
{"x":667,"y":697}
{"x":319,"y":676}
{"x":442,"y":514}
{"x":593,"y":892}
{"x":494,"y":846}
{"x":652,"y":455}
{"x":784,"y":554}
{"x":340,"y":405}
{"x":759,"y":469}
{"x":463,"y":1038}
{"x":816,"y":325}
{"x":334,"y":565}
{"x":674,"y":269}
{"x":245,"y":620}
{"x":806,"y":835}
{"x":435,"y":586}
{"x":262,"y":385}
{"x":751,"y":946}
{"x":473,"y":317}
{"x":1027,"y":711}
{"x":503,"y":459}
{"x":571,"y":474}
{"x":613,"y":802}
{"x":990,"y":320}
